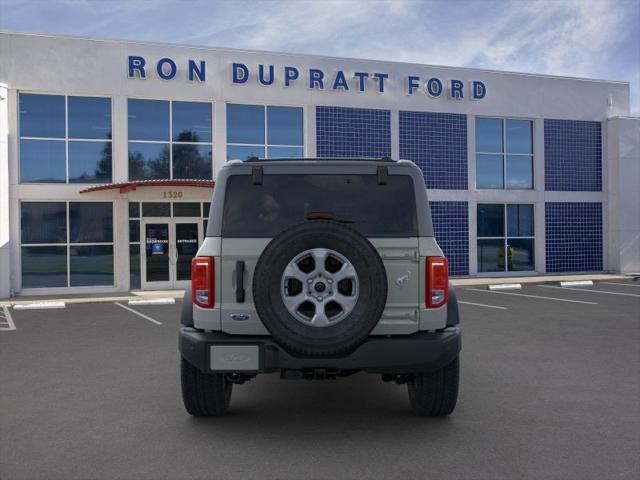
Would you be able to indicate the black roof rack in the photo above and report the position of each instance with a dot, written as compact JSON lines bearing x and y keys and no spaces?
{"x":330,"y":159}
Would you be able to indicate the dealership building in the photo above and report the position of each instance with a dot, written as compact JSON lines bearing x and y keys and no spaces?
{"x":109,"y":152}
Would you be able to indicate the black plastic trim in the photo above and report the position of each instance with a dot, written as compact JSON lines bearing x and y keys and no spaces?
{"x":383,"y":174}
{"x":240,"y":281}
{"x":420,"y":352}
{"x":453,"y":315}
{"x":256,"y":173}
{"x":186,"y":314}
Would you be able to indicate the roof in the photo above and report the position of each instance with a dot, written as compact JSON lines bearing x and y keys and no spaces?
{"x":134,"y":185}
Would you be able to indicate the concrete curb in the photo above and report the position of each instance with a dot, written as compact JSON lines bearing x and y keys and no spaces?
{"x":71,"y":301}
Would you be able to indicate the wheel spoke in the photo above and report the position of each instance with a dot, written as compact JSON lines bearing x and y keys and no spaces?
{"x":319,"y":257}
{"x":346,"y":302}
{"x":293,"y":302}
{"x":346,"y":271}
{"x":320,"y":318}
{"x":293,"y":271}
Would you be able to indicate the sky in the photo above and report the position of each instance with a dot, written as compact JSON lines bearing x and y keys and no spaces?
{"x":579,"y":38}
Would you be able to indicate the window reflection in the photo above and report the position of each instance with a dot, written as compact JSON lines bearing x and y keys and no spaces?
{"x":89,"y":162}
{"x":148,"y":161}
{"x":246,"y":132}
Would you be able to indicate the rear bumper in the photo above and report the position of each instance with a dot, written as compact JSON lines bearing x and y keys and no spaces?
{"x":420,"y":352}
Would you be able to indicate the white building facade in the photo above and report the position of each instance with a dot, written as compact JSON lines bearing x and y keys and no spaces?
{"x":109,"y":152}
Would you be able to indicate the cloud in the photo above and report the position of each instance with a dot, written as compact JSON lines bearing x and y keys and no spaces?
{"x":589,"y":38}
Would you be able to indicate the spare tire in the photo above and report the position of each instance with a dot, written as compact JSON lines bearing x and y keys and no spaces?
{"x":319,"y":288}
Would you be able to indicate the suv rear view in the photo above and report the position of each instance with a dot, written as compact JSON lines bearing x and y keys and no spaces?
{"x":319,"y":269}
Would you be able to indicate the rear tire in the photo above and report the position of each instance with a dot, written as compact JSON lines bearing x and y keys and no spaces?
{"x":204,"y":394}
{"x":435,"y":394}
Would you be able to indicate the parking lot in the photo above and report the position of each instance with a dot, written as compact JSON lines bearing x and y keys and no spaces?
{"x":550,"y":384}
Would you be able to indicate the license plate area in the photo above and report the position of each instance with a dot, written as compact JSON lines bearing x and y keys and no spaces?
{"x":234,"y":358}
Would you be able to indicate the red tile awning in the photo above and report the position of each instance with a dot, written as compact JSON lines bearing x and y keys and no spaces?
{"x":125,"y":187}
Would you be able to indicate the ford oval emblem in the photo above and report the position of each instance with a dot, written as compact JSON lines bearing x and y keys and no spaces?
{"x":240,"y":317}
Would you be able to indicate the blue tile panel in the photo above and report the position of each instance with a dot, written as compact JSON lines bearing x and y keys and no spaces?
{"x":573,"y":236}
{"x":353,"y":132}
{"x":572,"y":156}
{"x":451,"y":228}
{"x":437,"y":143}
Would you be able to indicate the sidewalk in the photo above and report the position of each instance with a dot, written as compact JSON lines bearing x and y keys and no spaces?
{"x":178,"y":294}
{"x":93,"y":297}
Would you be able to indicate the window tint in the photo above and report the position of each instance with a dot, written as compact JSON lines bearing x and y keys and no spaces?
{"x":284,"y":126}
{"x":520,"y":254}
{"x":43,"y":222}
{"x":42,"y":161}
{"x":42,"y":115}
{"x":89,"y":117}
{"x":148,"y":161}
{"x":89,"y":162}
{"x":284,"y":200}
{"x":186,"y":209}
{"x":191,"y":122}
{"x":519,"y":172}
{"x":90,"y":222}
{"x":134,"y":266}
{"x":519,"y":139}
{"x":285,"y":152}
{"x":490,"y":222}
{"x":91,"y":265}
{"x":156,"y":209}
{"x":489,"y":135}
{"x":520,"y":220}
{"x":44,"y":267}
{"x":134,"y":210}
{"x":148,"y":120}
{"x":489,"y":171}
{"x":192,"y":161}
{"x":491,"y":257}
{"x":245,"y":124}
{"x":244,"y":153}
{"x":134,"y":230}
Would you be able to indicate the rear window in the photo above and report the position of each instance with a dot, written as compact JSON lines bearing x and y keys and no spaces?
{"x":282,"y":201}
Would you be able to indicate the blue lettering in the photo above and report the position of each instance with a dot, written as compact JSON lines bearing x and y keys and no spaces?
{"x":479,"y":90}
{"x":196,"y":72}
{"x":340,"y":81}
{"x":161,"y":71}
{"x":412,"y":84}
{"x":362,"y":77}
{"x":290,"y":74}
{"x":237,"y":76}
{"x":380,"y":77}
{"x":316,"y":77}
{"x":455,"y":90}
{"x":136,"y":64}
{"x":433,"y":87}
{"x":261,"y":79}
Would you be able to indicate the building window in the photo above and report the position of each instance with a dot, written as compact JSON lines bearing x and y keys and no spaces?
{"x":505,"y":237}
{"x":65,"y":139}
{"x":504,"y":153}
{"x":264,"y":132}
{"x":66,"y":244}
{"x":170,"y":140}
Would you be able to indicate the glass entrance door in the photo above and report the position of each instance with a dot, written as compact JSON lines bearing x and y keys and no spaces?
{"x":169,"y":246}
{"x":186,"y":241}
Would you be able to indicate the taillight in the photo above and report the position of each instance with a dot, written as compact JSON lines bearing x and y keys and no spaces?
{"x":202,"y":281}
{"x":437,"y":288}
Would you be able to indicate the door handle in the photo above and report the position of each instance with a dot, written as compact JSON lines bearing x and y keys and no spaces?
{"x":240,"y":281}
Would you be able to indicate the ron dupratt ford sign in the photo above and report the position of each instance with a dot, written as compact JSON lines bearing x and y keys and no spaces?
{"x":314,"y":78}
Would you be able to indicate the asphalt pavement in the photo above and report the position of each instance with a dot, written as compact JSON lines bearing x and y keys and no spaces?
{"x":550,"y":388}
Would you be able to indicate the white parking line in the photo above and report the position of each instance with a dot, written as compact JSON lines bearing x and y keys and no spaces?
{"x":8,"y":324}
{"x":533,"y":296}
{"x":138,"y":313}
{"x":591,"y":290}
{"x":623,"y":284}
{"x":482,"y":305}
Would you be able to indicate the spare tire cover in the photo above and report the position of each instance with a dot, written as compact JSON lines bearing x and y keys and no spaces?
{"x":319,"y":288}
